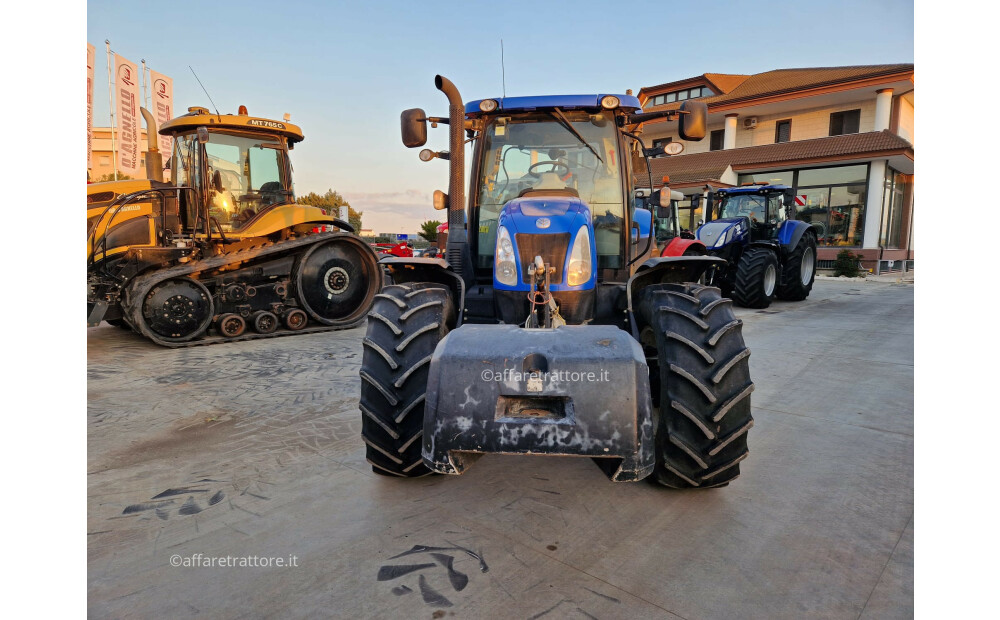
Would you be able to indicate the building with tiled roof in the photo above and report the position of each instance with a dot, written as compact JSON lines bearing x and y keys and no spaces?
{"x":841,"y":136}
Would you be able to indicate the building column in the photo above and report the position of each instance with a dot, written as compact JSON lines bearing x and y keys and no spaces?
{"x":729,"y":136}
{"x":873,"y":204}
{"x":883,"y":108}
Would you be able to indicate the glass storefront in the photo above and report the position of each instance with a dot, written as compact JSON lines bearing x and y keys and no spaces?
{"x":831,"y":200}
{"x":896,"y":189}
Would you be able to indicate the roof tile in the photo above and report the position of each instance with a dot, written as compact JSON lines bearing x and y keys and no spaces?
{"x":711,"y":165}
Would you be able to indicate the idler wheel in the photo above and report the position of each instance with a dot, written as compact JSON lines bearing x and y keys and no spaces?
{"x":178,"y":309}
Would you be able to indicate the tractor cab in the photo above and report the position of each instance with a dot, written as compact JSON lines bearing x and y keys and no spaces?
{"x":748,"y":213}
{"x":237,"y":166}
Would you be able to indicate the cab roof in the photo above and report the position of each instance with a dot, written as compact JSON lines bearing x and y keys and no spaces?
{"x":200,"y":117}
{"x":564,"y":102}
{"x":761,"y":188}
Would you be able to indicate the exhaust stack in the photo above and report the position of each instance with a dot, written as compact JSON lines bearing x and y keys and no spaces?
{"x":154,"y":161}
{"x":458,"y":255}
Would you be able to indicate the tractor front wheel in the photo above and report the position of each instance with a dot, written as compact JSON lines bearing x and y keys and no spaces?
{"x":756,"y":278}
{"x":704,"y":385}
{"x":799,"y":271}
{"x":405,"y":325}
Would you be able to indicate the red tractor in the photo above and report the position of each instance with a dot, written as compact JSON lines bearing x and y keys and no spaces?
{"x":402,"y":249}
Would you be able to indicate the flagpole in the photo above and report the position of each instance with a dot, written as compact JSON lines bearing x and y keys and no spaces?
{"x":145,"y":98}
{"x":111,"y":110}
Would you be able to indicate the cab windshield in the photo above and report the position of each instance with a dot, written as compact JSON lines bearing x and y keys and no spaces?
{"x":243,"y":175}
{"x":755,"y":207}
{"x":538,"y":154}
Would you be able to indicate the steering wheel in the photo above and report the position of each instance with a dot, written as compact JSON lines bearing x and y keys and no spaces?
{"x":554,"y":164}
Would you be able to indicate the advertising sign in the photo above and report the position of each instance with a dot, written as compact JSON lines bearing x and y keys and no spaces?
{"x":127,"y":115}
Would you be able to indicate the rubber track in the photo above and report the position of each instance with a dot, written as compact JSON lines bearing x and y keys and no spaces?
{"x":140,"y":287}
{"x":704,"y":383}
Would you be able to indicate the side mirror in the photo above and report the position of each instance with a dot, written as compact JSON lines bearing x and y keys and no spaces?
{"x":693,"y":120}
{"x":217,"y":181}
{"x":709,"y":205}
{"x":663,"y":213}
{"x":413,"y":125}
{"x":654,"y":199}
{"x":642,"y":223}
{"x":202,"y":135}
{"x":695,"y":201}
{"x":790,"y":198}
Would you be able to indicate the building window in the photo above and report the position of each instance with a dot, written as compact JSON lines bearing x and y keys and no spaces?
{"x":848,"y":121}
{"x":715,"y":140}
{"x":783,"y":131}
{"x":831,"y":200}
{"x":662,"y":142}
{"x":680,"y":95}
{"x":772,"y":177}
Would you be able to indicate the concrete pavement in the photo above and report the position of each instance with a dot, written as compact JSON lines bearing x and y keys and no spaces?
{"x":254,"y":449}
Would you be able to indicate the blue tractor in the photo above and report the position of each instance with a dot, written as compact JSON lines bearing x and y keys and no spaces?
{"x":768,"y":252}
{"x":547,"y":327}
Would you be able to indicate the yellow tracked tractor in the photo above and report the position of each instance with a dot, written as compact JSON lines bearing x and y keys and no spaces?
{"x":222,"y":251}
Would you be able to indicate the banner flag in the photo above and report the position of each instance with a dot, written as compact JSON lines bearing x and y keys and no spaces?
{"x":91,"y":56}
{"x":163,"y":108}
{"x":127,"y":113}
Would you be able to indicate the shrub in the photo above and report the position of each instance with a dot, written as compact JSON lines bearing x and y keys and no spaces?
{"x":846,"y":264}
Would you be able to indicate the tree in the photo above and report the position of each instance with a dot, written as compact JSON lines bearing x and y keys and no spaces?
{"x":111,"y":177}
{"x":332,"y":201}
{"x":429,"y":230}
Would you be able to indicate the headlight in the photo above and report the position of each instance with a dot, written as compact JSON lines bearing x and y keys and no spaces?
{"x":505,"y":267}
{"x":724,"y":238}
{"x":487,"y":105}
{"x":609,"y":102}
{"x":579,"y":259}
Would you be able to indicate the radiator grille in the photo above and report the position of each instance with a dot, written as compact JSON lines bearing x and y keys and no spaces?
{"x":552,"y":248}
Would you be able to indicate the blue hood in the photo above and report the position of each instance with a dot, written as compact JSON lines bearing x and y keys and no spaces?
{"x":565,"y":214}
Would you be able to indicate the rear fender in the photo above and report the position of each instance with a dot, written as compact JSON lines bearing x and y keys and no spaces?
{"x":669,"y":269}
{"x":418,"y":269}
{"x":791,"y":232}
{"x":679,"y":245}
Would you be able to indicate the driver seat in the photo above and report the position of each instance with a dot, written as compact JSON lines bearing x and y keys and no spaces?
{"x":550,"y":180}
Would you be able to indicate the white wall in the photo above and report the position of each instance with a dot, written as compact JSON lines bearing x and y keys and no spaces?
{"x":806,"y":125}
{"x":906,"y":120}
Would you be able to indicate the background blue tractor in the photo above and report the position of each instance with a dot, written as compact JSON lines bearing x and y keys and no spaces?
{"x":548,"y":328}
{"x":767,"y":251}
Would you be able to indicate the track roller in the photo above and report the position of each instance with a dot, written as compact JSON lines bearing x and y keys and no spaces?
{"x":264,"y":322}
{"x":294,"y":319}
{"x":231,"y":325}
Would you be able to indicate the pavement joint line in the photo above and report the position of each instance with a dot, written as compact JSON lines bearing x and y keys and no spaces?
{"x":570,"y":566}
{"x":841,"y":422}
{"x":888,"y":560}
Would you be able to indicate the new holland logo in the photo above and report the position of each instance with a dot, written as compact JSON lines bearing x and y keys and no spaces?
{"x":269,"y":124}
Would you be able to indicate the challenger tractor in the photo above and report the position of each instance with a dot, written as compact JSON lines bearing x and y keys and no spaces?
{"x":548,"y":328}
{"x":768,"y":252}
{"x":222,"y":252}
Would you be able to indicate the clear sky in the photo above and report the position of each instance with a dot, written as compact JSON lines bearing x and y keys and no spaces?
{"x":345,"y":70}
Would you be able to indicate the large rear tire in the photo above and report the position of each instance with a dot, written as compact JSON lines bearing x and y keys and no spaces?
{"x":701,"y":371}
{"x":405,"y":325}
{"x":799,"y":271}
{"x":756,"y":278}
